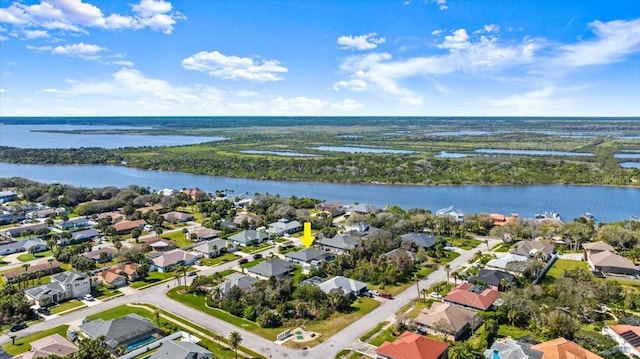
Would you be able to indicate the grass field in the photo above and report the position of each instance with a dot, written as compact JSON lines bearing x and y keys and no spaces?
{"x":464,"y":243}
{"x":23,"y":344}
{"x":386,"y":335}
{"x":152,"y":278}
{"x":227,"y":257}
{"x":72,"y":304}
{"x":33,"y":256}
{"x":561,"y":265}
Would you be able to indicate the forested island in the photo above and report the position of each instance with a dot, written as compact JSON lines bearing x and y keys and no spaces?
{"x":371,"y":150}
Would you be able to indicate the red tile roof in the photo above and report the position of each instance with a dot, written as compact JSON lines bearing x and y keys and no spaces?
{"x":465,"y":295}
{"x":562,"y":348}
{"x":628,"y":331}
{"x":412,"y":346}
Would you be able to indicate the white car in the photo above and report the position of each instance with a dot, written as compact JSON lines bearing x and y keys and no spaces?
{"x":435,"y":295}
{"x":88,"y":297}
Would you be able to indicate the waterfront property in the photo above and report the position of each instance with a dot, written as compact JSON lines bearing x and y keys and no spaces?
{"x":451,"y":212}
{"x":543,"y":250}
{"x":610,"y":263}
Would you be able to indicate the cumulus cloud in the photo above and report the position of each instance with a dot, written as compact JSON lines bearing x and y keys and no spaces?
{"x":361,"y":42}
{"x":81,"y":50}
{"x":124,"y":63}
{"x":232,"y":67}
{"x":34,"y":34}
{"x":546,"y":101}
{"x":347,"y":105}
{"x":78,"y":16}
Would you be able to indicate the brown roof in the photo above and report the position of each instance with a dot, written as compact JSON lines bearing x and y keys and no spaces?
{"x":446,"y":317}
{"x":129,"y":225}
{"x":173,"y":257}
{"x":610,"y":259}
{"x":177,"y":216}
{"x":110,"y":277}
{"x":628,"y":331}
{"x":598,"y":246}
{"x":562,"y":348}
{"x":527,"y":248}
{"x":249,"y":216}
{"x":115,"y":216}
{"x":53,"y":344}
{"x":149,"y":243}
{"x":413,"y":346}
{"x":33,"y":268}
{"x":115,"y":272}
{"x":473,"y":296}
{"x":155,"y":207}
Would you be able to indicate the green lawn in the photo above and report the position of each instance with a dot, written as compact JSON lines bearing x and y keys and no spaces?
{"x":72,"y":304}
{"x":103,"y":293}
{"x":177,"y":237}
{"x":227,"y":257}
{"x":22,"y":344}
{"x":326,"y":328}
{"x":512,"y":331}
{"x":373,"y":331}
{"x":450,"y":255}
{"x":152,"y":279}
{"x":560,"y":265}
{"x":121,"y":311}
{"x":388,"y":335}
{"x":26,"y":257}
{"x":465,"y":243}
{"x":401,"y":287}
{"x":256,"y":247}
{"x":502,"y":248}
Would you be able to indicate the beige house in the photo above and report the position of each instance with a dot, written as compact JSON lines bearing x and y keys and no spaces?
{"x":448,"y":321}
{"x":52,"y":345}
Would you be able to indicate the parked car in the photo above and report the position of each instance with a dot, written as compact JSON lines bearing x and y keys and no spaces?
{"x":88,"y":297}
{"x":44,"y":311}
{"x":18,"y":326}
{"x":242,"y":260}
{"x":257,"y":256}
{"x":386,"y":295}
{"x":374,"y":293}
{"x":435,"y":295}
{"x":191,"y":274}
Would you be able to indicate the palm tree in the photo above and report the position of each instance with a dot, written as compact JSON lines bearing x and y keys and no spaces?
{"x":504,"y":283}
{"x":26,"y":268}
{"x":235,"y":339}
{"x":447,"y":268}
{"x":50,"y":260}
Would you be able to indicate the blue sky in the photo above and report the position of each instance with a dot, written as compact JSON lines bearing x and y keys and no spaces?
{"x":329,"y":57}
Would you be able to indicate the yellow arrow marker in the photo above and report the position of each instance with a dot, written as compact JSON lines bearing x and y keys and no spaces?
{"x":307,"y":238}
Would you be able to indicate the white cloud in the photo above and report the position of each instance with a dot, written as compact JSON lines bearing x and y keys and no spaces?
{"x":437,"y":32}
{"x":82,"y":50}
{"x":361,"y":42}
{"x":348,"y":105}
{"x":124,"y":63}
{"x":3,"y":38}
{"x":234,"y":68}
{"x":77,"y":16}
{"x":614,"y":40}
{"x":300,"y":103}
{"x":2,"y":90}
{"x":457,"y":40}
{"x":547,"y":101}
{"x":442,"y":4}
{"x":35,"y":34}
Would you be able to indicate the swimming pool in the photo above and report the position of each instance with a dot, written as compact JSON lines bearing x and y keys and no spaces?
{"x":140,"y":342}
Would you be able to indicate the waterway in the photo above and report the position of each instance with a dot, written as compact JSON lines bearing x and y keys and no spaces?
{"x":606,"y":203}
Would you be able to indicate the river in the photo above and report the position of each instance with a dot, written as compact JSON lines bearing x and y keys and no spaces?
{"x":606,"y":203}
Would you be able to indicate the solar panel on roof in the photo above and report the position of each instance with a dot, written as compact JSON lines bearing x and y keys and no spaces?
{"x":631,"y":338}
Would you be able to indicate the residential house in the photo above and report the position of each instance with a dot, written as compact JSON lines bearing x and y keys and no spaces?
{"x":64,"y":286}
{"x":348,"y":286}
{"x":174,"y":349}
{"x":168,"y":261}
{"x":54,"y":344}
{"x":15,"y":232}
{"x":118,"y":275}
{"x":236,"y":280}
{"x":166,"y":192}
{"x":195,"y":194}
{"x":414,"y":346}
{"x":116,"y":216}
{"x":609,"y":263}
{"x":215,"y":248}
{"x":449,"y":321}
{"x":46,"y":212}
{"x":498,"y":219}
{"x":333,"y":209}
{"x":472,"y":296}
{"x":84,"y":235}
{"x":78,"y":222}
{"x":203,"y":234}
{"x":157,"y":244}
{"x":562,"y":348}
{"x":310,"y":256}
{"x":271,"y":268}
{"x":39,"y":268}
{"x":127,"y":226}
{"x":590,"y":248}
{"x":101,"y":255}
{"x":363,"y":209}
{"x":418,"y":240}
{"x":177,"y":217}
{"x":627,"y":337}
{"x":284,"y":226}
{"x":451,"y":212}
{"x":496,"y":279}
{"x":502,"y":261}
{"x":248,"y":237}
{"x":155,"y":208}
{"x":251,"y":219}
{"x":8,"y":196}
{"x":121,"y":331}
{"x":340,"y":243}
{"x":8,"y":218}
{"x":399,"y":251}
{"x":508,"y":348}
{"x":543,"y":250}
{"x":32,"y":245}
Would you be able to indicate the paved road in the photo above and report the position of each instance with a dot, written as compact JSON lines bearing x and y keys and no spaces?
{"x":328,"y":349}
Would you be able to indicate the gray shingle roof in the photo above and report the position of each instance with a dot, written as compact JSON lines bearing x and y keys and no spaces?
{"x":237,"y":280}
{"x":348,"y":285}
{"x":340,"y":241}
{"x":118,"y":331}
{"x":492,"y":277}
{"x":511,"y":349}
{"x":419,"y":239}
{"x":249,"y":236}
{"x":307,"y":255}
{"x":272,"y":267}
{"x":173,"y":349}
